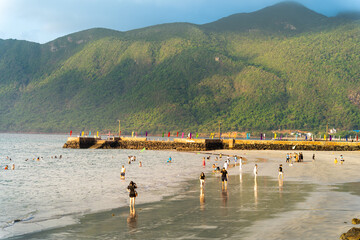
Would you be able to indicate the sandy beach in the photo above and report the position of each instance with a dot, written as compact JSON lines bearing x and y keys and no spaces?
{"x":327,"y":211}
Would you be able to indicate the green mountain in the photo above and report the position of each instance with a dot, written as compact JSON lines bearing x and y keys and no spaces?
{"x":282,"y":67}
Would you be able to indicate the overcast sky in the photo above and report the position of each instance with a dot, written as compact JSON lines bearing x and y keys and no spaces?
{"x":45,"y":20}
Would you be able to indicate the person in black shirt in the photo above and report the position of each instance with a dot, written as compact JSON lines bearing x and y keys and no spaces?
{"x":202,"y":180}
{"x":132,"y":195}
{"x":224,"y":178}
{"x":281,"y":174}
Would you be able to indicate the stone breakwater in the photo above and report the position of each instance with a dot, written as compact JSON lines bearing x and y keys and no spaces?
{"x":181,"y":144}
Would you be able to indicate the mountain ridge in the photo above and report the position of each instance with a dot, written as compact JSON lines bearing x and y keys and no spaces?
{"x":182,"y":76}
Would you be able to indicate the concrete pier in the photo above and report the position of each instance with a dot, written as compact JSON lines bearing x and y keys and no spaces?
{"x":181,"y":144}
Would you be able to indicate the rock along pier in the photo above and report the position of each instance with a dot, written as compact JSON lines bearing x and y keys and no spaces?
{"x":181,"y":144}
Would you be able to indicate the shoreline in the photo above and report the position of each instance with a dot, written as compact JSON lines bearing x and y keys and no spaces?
{"x":322,"y":173}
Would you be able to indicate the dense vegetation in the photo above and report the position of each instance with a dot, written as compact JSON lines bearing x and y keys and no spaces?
{"x":283,"y":67}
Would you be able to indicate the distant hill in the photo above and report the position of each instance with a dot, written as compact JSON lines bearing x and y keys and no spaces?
{"x":286,"y":17}
{"x":282,"y":67}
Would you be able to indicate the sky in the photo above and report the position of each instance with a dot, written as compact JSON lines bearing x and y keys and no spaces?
{"x":45,"y":20}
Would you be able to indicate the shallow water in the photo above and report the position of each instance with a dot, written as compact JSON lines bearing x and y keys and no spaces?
{"x":54,"y":192}
{"x":216,"y":213}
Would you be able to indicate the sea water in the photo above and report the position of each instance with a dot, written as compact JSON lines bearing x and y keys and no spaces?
{"x":53,"y":191}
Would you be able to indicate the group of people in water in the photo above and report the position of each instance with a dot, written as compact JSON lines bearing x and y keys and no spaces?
{"x":295,"y":157}
{"x":27,"y":159}
{"x":341,"y":160}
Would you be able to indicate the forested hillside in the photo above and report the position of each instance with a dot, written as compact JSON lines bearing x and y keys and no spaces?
{"x":283,"y":67}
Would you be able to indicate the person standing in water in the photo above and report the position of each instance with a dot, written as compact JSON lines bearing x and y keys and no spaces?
{"x":281,"y":174}
{"x":255,"y":170}
{"x":202,"y":180}
{"x":224,"y":178}
{"x":122,"y":174}
{"x":132,"y":195}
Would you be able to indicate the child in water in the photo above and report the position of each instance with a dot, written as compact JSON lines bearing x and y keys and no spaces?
{"x":169,"y":160}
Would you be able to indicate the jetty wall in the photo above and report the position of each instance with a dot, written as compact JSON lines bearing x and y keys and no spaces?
{"x":181,"y":144}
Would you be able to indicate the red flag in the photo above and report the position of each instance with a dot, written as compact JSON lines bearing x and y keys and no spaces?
{"x":177,"y":134}
{"x":169,"y":134}
{"x":70,"y":133}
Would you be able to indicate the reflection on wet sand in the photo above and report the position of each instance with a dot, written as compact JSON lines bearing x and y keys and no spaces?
{"x":132,"y":221}
{"x":281,"y":184}
{"x":255,"y":191}
{"x":202,"y":199}
{"x":225,"y":196}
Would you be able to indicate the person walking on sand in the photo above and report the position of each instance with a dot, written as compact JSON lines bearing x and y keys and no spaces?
{"x":132,"y":195}
{"x":202,"y":180}
{"x":224,"y":178}
{"x":255,"y":170}
{"x":122,"y":173}
{"x":281,"y":174}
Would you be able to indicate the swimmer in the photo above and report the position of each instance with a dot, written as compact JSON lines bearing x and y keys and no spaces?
{"x":224,"y":178}
{"x":335,"y":161}
{"x":6,"y":167}
{"x":140,"y":164}
{"x":202,"y":180}
{"x":213,"y":167}
{"x":281,"y":172}
{"x":169,"y":160}
{"x":255,"y":170}
{"x":13,"y":167}
{"x":342,"y":159}
{"x":122,"y":173}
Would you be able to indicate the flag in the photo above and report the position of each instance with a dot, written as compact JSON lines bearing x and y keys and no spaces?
{"x":70,"y":133}
{"x":89,"y":133}
{"x":82,"y":134}
{"x":275,"y":136}
{"x":97,"y":133}
{"x":146,"y":134}
{"x":132,"y":134}
{"x":182,"y":135}
{"x":168,"y":134}
{"x":177,"y":134}
{"x":143,"y":149}
{"x":197,"y":135}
